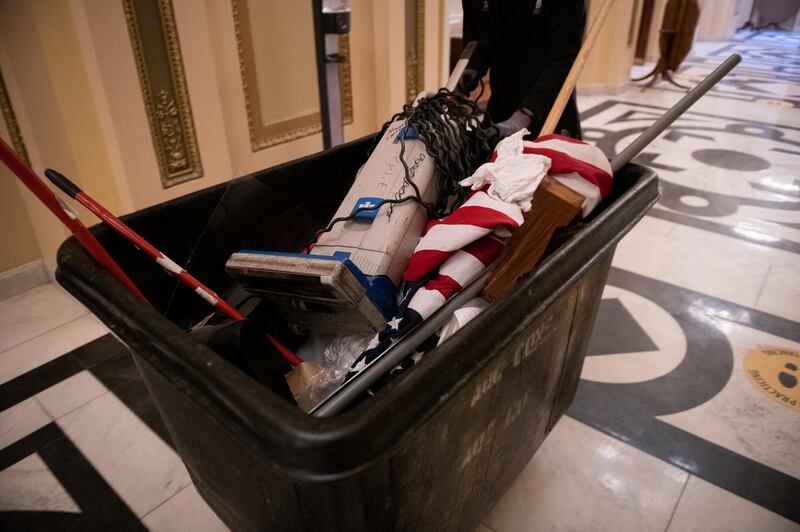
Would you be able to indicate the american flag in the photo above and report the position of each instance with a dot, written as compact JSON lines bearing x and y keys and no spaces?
{"x":580,"y":166}
{"x":455,"y":250}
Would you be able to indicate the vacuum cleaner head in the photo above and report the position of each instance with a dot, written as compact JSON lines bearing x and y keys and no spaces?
{"x":323,"y":293}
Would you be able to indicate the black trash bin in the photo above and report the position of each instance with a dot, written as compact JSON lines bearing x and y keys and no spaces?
{"x":434,"y":449}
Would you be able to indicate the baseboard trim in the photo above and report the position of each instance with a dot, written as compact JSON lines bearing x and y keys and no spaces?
{"x":22,"y":278}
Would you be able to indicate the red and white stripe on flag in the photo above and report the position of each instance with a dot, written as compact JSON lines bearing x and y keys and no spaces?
{"x":461,"y":245}
{"x":478,"y":217}
{"x":580,"y":166}
{"x":465,"y":243}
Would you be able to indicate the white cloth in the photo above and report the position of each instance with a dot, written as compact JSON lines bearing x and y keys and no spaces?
{"x":513,"y":176}
{"x":461,"y":317}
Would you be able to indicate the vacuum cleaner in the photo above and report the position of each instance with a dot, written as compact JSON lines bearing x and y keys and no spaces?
{"x":348,"y":281}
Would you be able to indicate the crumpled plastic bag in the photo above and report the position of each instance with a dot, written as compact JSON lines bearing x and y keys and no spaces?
{"x":513,"y":176}
{"x":313,"y":381}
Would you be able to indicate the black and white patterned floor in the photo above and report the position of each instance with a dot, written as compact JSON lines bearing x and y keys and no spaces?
{"x":688,"y":413}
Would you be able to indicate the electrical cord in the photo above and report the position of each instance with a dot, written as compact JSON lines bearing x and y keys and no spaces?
{"x":454,"y":138}
{"x":353,"y":215}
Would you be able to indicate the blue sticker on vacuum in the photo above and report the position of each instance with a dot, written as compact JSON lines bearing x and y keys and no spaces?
{"x":366,"y":203}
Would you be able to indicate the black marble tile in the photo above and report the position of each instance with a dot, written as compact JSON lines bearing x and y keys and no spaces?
{"x":731,"y":160}
{"x":110,"y":361}
{"x":99,"y":350}
{"x":120,"y":375}
{"x":723,"y":229}
{"x":616,"y":331}
{"x":792,"y":190}
{"x":29,"y":444}
{"x":29,"y":384}
{"x":629,"y":411}
{"x":624,"y":119}
{"x":34,"y":521}
{"x":100,"y":507}
{"x":38,"y":379}
{"x":718,"y":204}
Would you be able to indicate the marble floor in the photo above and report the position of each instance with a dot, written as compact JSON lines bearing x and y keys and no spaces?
{"x":687,"y":416}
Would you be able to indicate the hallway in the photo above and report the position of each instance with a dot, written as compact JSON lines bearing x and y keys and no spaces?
{"x":688,"y":413}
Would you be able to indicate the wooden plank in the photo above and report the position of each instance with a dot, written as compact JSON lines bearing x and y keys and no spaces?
{"x":554,"y":205}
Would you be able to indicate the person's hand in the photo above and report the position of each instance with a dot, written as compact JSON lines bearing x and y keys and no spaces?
{"x":514,"y":123}
{"x":468,"y":81}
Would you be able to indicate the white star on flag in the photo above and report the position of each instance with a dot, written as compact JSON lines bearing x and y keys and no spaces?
{"x":359,"y":366}
{"x":394,"y":323}
{"x":372,"y":343}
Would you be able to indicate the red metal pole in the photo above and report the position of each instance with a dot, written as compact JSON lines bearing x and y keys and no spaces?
{"x":36,"y":185}
{"x":165,"y":262}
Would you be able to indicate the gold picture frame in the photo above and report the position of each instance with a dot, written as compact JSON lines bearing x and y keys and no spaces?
{"x":415,"y":48}
{"x":266,"y":135}
{"x":156,"y":49}
{"x":11,"y":122}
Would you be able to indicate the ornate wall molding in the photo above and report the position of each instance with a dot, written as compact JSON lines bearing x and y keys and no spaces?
{"x":154,"y":39}
{"x":415,"y":48}
{"x":265,"y":135}
{"x":11,"y":122}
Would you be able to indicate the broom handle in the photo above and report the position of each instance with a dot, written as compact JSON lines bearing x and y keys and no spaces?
{"x":172,"y":268}
{"x":61,"y":211}
{"x":574,"y":73}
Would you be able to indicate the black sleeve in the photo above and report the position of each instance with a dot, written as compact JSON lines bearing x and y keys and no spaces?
{"x":565,"y":35}
{"x":481,"y":56}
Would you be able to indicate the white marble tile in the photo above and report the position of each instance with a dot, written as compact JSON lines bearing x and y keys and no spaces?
{"x":696,"y":267}
{"x":29,"y":485}
{"x":712,"y":103}
{"x":48,"y":346}
{"x":781,"y":293}
{"x":737,"y":246}
{"x":35,"y":312}
{"x":139,"y":466}
{"x":22,"y":278}
{"x":706,"y":508}
{"x":70,"y":393}
{"x":20,"y":420}
{"x":741,"y":417}
{"x":650,"y":224}
{"x":659,"y":325}
{"x":581,"y":479}
{"x":756,"y":225}
{"x":730,"y":182}
{"x":186,"y":510}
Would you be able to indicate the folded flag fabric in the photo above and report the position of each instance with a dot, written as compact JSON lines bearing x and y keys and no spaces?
{"x":580,"y":166}
{"x":455,"y":250}
{"x":402,"y":322}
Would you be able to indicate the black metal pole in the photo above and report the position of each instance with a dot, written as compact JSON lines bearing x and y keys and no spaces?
{"x":394,"y":354}
{"x":319,"y":45}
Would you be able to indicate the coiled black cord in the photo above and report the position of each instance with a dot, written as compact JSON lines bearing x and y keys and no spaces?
{"x":457,"y":142}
